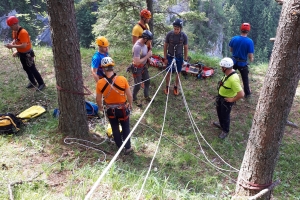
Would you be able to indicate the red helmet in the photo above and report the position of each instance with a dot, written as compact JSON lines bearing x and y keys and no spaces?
{"x":12,"y":20}
{"x":145,"y":13}
{"x":245,"y":27}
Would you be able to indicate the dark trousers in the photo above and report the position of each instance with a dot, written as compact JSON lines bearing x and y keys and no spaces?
{"x":140,"y":74}
{"x":244,"y":73}
{"x":223,"y":110}
{"x":116,"y":116}
{"x":27,"y":60}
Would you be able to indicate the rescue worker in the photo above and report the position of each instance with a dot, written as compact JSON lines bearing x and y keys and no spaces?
{"x":102,"y":52}
{"x":242,"y":48}
{"x":21,"y":41}
{"x":176,"y":45}
{"x":140,"y":67}
{"x":117,"y":96}
{"x":229,"y":91}
{"x":137,"y":31}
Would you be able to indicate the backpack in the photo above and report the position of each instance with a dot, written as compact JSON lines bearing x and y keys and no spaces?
{"x":9,"y":123}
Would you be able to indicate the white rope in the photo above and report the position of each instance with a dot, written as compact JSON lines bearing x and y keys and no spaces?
{"x":76,"y":139}
{"x":89,"y":195}
{"x":195,"y":126}
{"x":150,"y":77}
{"x":157,"y":146}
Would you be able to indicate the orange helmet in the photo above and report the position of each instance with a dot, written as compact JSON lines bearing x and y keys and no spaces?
{"x":12,"y":20}
{"x":145,"y":13}
{"x":245,"y":27}
{"x":102,"y":42}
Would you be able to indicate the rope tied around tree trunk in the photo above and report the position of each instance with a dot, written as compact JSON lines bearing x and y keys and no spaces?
{"x":253,"y":186}
{"x":74,"y":92}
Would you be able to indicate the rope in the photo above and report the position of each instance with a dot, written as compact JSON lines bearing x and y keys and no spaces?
{"x":90,"y":193}
{"x":151,"y":163}
{"x":76,"y":139}
{"x":195,"y":126}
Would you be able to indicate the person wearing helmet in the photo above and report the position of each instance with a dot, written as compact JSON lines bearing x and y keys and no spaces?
{"x":139,"y":66}
{"x":229,"y":91}
{"x":21,"y":41}
{"x":102,"y":52}
{"x":116,"y":93}
{"x":175,"y":46}
{"x":145,"y":17}
{"x":137,"y":31}
{"x":242,"y":48}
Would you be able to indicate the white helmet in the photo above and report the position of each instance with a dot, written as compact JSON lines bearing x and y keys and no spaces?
{"x":226,"y":62}
{"x":107,"y":62}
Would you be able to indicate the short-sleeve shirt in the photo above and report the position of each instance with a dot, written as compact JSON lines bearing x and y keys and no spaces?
{"x":140,"y":50}
{"x":113,"y":95}
{"x":138,"y":30}
{"x":96,"y":62}
{"x":241,"y":46}
{"x":173,"y":39}
{"x":233,"y":82}
{"x":23,"y":37}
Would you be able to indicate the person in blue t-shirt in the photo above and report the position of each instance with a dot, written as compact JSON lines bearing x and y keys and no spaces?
{"x":242,"y":48}
{"x":102,"y":52}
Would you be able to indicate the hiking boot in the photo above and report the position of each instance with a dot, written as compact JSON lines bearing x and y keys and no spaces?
{"x":217,"y":124}
{"x":41,"y":87}
{"x":128,"y":151}
{"x":166,"y":91}
{"x":223,"y":135}
{"x":176,"y":91}
{"x":148,"y":99}
{"x":137,"y":103}
{"x":30,"y":85}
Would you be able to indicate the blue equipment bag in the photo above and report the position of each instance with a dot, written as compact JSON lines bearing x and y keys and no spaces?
{"x":91,"y":108}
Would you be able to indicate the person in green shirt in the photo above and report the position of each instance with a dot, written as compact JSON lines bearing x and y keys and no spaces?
{"x":229,"y":91}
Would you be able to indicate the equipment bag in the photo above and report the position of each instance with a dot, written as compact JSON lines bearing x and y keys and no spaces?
{"x":9,"y":123}
{"x":31,"y":112}
{"x":91,"y":109}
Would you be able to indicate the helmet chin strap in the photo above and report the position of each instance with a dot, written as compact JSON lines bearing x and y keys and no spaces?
{"x":224,"y":70}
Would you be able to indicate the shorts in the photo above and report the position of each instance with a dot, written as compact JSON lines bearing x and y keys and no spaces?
{"x":179,"y":62}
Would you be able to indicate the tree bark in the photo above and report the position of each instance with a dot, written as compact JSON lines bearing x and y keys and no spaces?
{"x":150,"y":8}
{"x":68,"y":71}
{"x":273,"y":107}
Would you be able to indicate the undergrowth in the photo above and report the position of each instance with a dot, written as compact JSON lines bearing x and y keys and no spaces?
{"x":39,"y":165}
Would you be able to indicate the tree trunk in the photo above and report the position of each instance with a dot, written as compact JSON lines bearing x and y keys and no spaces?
{"x":68,"y":71}
{"x":150,"y":8}
{"x":274,"y":105}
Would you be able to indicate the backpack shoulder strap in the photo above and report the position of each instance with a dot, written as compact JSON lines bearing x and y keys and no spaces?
{"x":17,"y":36}
{"x":142,"y":26}
{"x":226,"y":78}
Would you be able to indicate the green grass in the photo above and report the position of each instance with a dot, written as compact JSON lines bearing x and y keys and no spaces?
{"x":69,"y":171}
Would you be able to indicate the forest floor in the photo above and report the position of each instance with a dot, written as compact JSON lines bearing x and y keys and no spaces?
{"x":37,"y":163}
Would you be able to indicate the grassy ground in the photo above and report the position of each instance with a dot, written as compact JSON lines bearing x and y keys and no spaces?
{"x":39,"y":165}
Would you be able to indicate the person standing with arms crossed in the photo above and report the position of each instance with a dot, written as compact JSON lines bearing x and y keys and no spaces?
{"x":176,"y":44}
{"x":229,"y":91}
{"x":242,"y":48}
{"x":102,"y":52}
{"x":116,"y":93}
{"x":21,"y":41}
